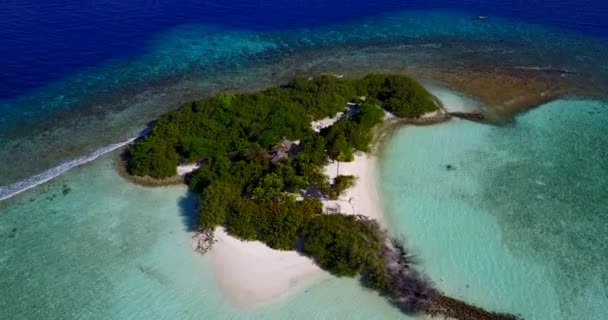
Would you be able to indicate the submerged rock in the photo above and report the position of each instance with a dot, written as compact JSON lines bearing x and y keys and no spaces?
{"x":66,"y":189}
{"x":203,"y":241}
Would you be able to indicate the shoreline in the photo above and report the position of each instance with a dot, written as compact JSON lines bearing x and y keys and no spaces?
{"x":120,"y":165}
{"x":252,"y":274}
{"x":495,"y":88}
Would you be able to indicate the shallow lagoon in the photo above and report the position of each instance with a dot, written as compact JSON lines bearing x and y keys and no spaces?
{"x":90,"y":245}
{"x":512,"y":218}
{"x":517,"y":224}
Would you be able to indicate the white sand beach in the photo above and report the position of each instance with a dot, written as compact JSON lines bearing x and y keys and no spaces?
{"x":362,"y":199}
{"x":252,"y":274}
{"x":318,"y":125}
{"x":184,"y":169}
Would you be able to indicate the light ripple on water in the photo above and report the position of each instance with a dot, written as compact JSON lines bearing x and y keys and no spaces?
{"x":519,"y":223}
{"x":109,"y":249}
{"x":128,"y":243}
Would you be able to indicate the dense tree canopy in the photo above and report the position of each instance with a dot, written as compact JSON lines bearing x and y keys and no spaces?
{"x":345,"y":245}
{"x":259,"y":158}
{"x":247,"y":125}
{"x":402,"y":95}
{"x":258,"y":152}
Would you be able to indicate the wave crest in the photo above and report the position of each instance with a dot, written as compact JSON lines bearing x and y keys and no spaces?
{"x":33,"y":181}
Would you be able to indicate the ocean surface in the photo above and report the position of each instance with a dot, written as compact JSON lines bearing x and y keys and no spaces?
{"x":518,"y":223}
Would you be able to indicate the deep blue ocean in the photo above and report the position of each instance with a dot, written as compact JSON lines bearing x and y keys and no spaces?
{"x":519,"y":226}
{"x":79,"y":76}
{"x":43,"y":41}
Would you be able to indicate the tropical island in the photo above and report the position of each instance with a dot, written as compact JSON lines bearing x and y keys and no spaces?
{"x":259,"y":169}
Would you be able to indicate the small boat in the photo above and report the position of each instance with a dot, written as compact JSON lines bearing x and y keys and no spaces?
{"x":482,"y":18}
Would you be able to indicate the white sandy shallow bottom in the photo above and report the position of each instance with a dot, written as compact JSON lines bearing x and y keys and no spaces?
{"x":252,"y":274}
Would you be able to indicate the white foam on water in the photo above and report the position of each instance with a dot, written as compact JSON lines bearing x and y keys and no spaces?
{"x":33,"y":181}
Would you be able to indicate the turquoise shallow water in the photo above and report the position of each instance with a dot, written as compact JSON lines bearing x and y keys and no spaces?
{"x":517,"y":226}
{"x":519,"y":221}
{"x":107,"y":249}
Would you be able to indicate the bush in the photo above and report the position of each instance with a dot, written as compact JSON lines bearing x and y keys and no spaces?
{"x":339,"y":148}
{"x":233,"y":135}
{"x":369,"y":115}
{"x":152,"y":159}
{"x":276,"y":223}
{"x":407,"y":98}
{"x":215,"y":203}
{"x":244,"y":220}
{"x":342,"y":183}
{"x":227,"y":124}
{"x":343,"y":245}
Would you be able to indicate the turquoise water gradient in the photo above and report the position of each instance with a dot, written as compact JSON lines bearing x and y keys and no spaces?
{"x":520,"y":222}
{"x":109,"y":103}
{"x":518,"y":225}
{"x":111,"y":250}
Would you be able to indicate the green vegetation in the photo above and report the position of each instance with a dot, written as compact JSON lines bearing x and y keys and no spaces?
{"x":258,"y":152}
{"x":246,"y":124}
{"x":402,"y":95}
{"x":342,"y":183}
{"x":346,"y":246}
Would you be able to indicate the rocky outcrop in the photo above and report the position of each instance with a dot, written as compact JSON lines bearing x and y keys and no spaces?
{"x":203,"y":241}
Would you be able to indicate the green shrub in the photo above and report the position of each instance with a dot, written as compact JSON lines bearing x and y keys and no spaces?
{"x":233,"y":136}
{"x":405,"y":97}
{"x":244,"y":220}
{"x":369,"y":115}
{"x":215,"y":203}
{"x":342,"y":183}
{"x":344,"y":245}
{"x":339,"y":148}
{"x":157,"y":160}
